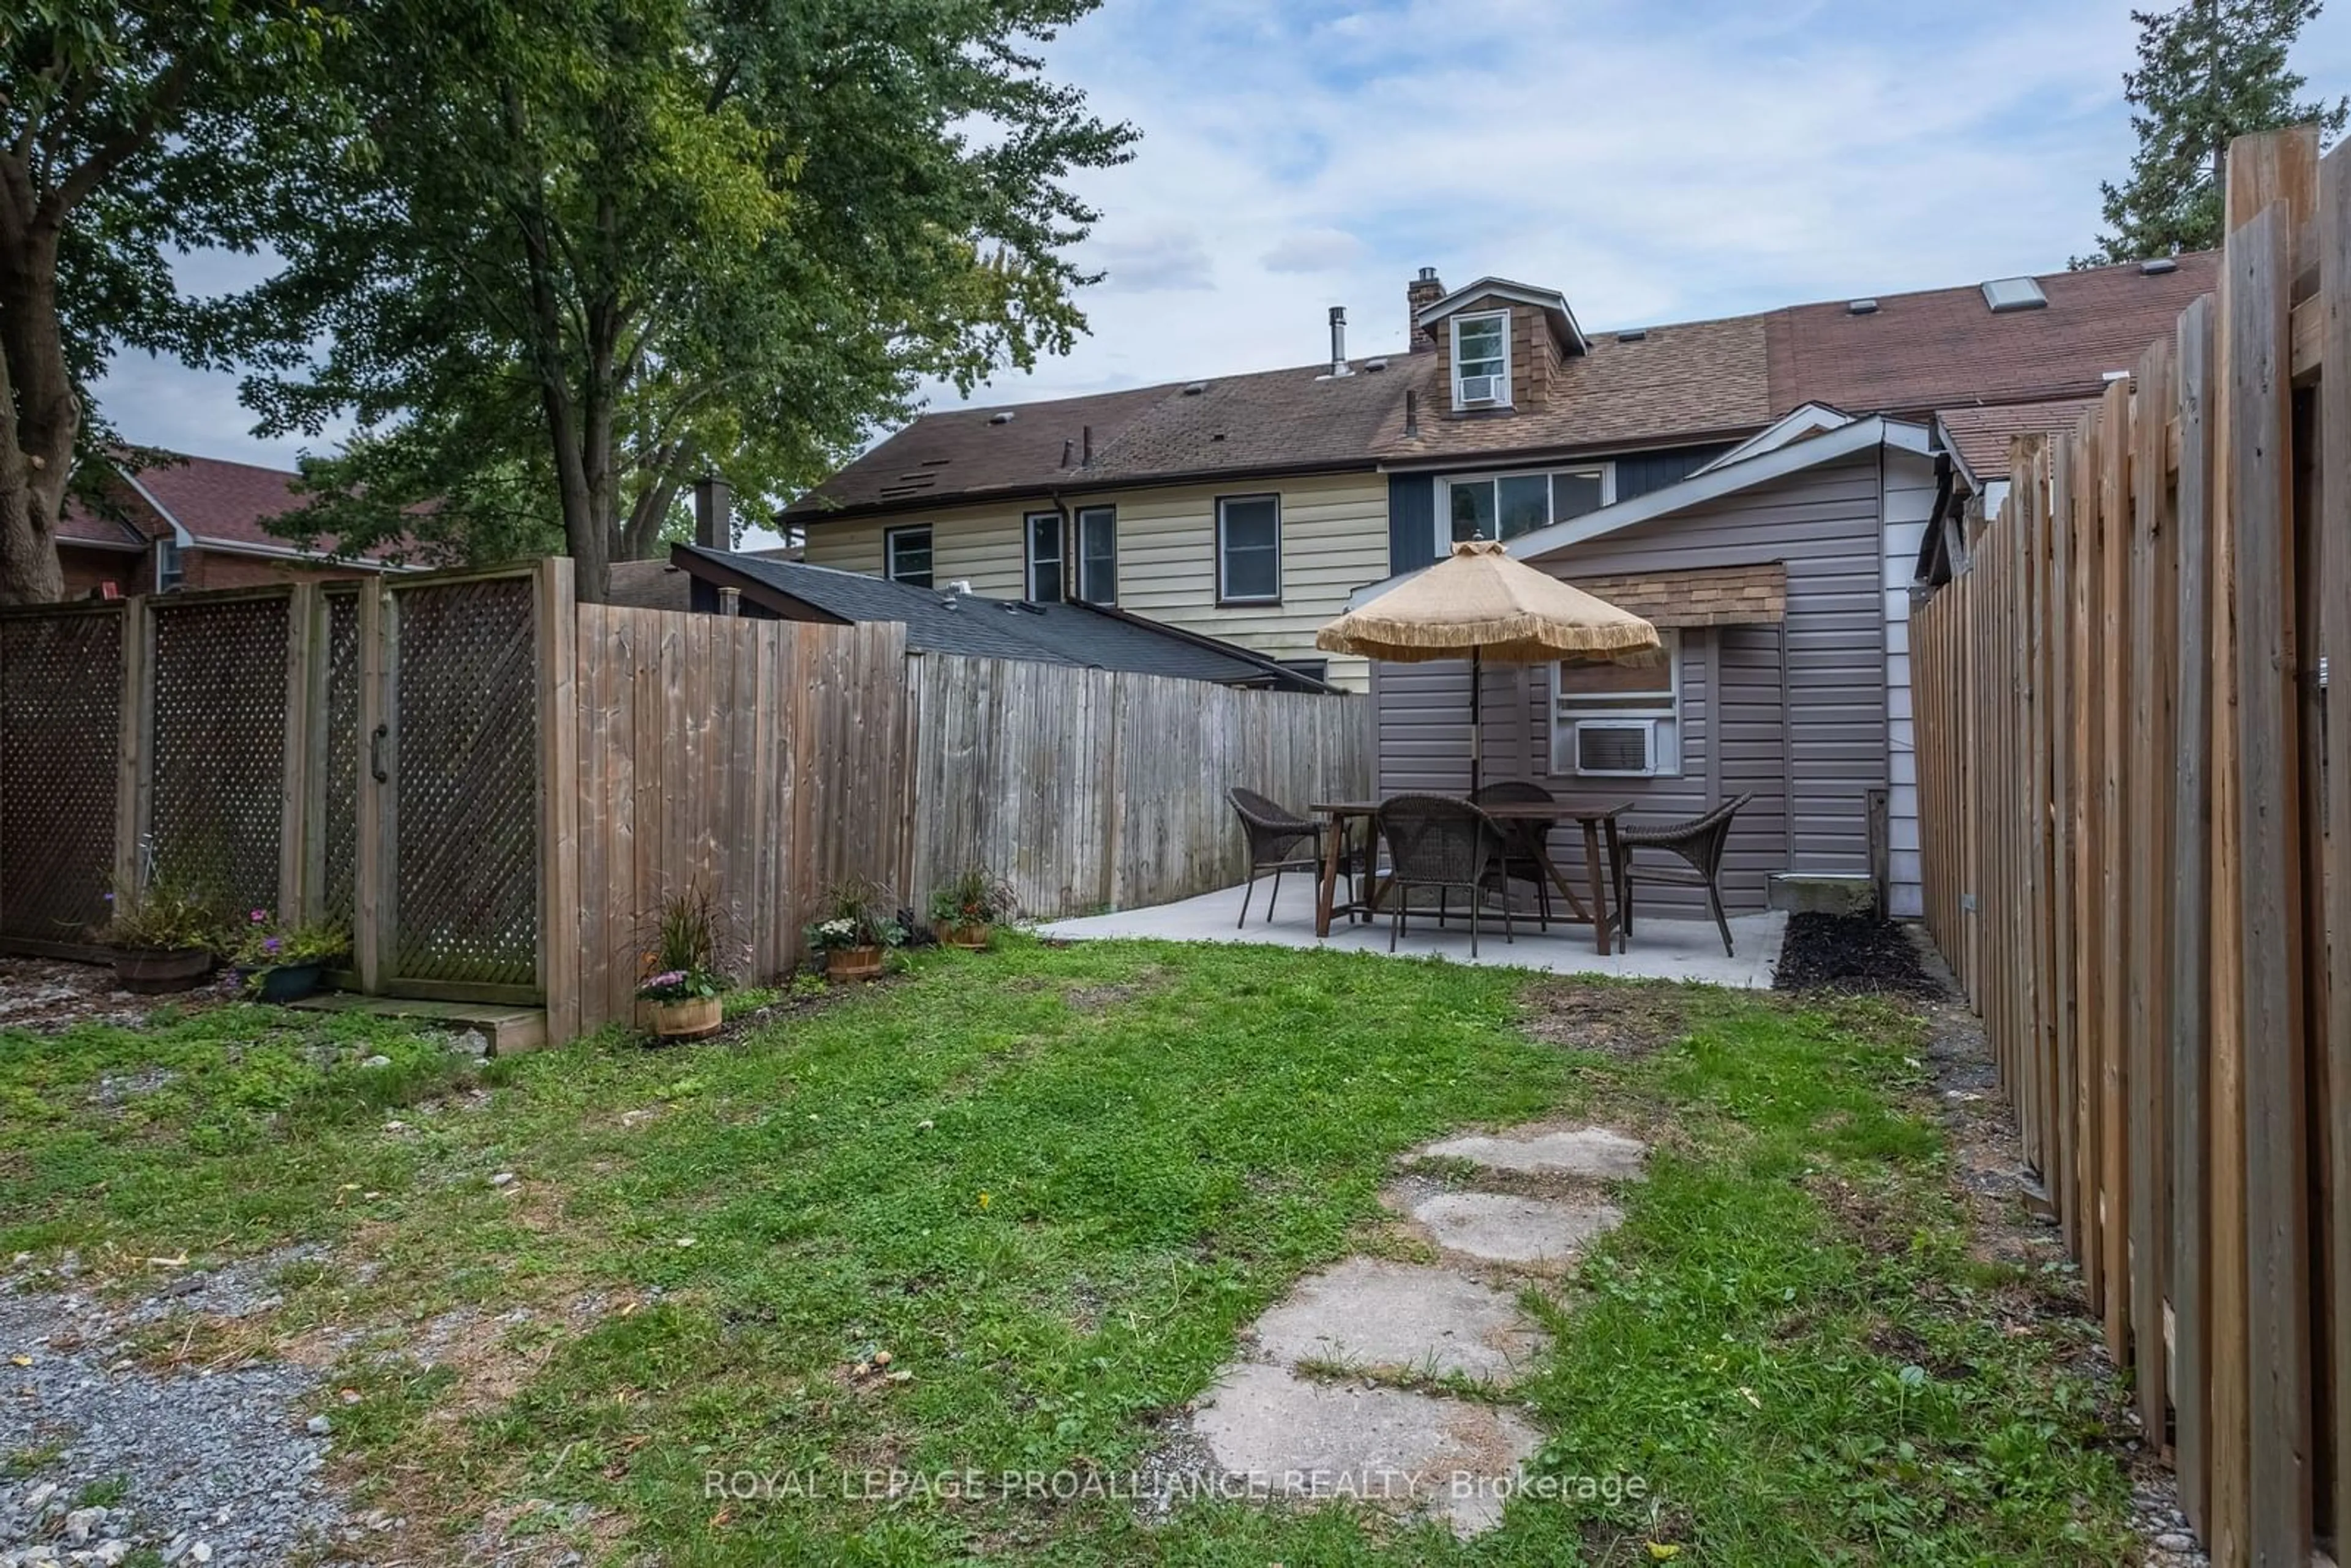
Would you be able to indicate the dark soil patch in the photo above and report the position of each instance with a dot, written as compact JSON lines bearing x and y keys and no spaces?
{"x":1616,"y":1019}
{"x":1856,"y":953}
{"x":46,"y":995}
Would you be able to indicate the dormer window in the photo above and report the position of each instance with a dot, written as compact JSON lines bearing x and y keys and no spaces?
{"x":1481,"y":360}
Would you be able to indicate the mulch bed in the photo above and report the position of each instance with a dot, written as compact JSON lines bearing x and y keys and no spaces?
{"x":1858,"y":954}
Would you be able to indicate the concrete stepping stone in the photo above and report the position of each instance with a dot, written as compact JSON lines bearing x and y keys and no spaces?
{"x":1502,"y":1228}
{"x":1601,"y":1153}
{"x":1286,"y":1437}
{"x":1367,"y":1313}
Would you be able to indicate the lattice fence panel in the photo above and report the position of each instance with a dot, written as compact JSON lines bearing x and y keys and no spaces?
{"x":217,"y":798}
{"x":339,"y":829}
{"x":60,"y":694}
{"x":465,"y":785}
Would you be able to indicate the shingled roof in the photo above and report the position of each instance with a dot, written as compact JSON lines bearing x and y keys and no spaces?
{"x":1679,"y":385}
{"x":1979,"y":435}
{"x":939,"y":621}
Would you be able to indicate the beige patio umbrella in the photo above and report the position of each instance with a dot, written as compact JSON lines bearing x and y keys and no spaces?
{"x":1482,"y":602}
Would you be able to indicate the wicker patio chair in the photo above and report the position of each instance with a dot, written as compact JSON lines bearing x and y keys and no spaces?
{"x":1523,"y":859}
{"x":1436,"y":842}
{"x":1700,"y":842}
{"x":1274,"y":836}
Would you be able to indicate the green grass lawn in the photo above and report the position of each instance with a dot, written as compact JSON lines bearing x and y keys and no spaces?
{"x":1051,"y":1183}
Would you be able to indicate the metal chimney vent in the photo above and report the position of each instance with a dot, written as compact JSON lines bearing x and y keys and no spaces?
{"x":1002,"y":416}
{"x":2157,"y":266}
{"x":1861,"y":307}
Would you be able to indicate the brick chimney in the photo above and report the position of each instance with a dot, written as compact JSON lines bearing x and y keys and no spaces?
{"x":1422,"y":292}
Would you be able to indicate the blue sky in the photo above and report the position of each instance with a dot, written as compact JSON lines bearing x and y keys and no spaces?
{"x":1654,"y":162}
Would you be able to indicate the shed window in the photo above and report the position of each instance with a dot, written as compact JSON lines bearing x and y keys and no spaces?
{"x":1248,"y":549}
{"x":1097,"y":554}
{"x":907,"y":556}
{"x":1045,"y":558}
{"x":1481,"y":360}
{"x":1505,"y":506}
{"x":1614,"y":720}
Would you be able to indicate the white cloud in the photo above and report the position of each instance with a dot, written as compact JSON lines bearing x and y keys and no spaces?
{"x":1312,"y":250}
{"x":1149,"y":265}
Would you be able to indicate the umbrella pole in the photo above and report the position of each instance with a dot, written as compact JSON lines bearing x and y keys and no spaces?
{"x":1477,"y":720}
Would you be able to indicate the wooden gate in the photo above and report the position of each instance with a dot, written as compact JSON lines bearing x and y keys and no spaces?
{"x":452,"y":774}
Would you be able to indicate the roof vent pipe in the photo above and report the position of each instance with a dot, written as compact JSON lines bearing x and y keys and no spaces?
{"x":713,"y":507}
{"x":1411,"y":412}
{"x":1339,"y":340}
{"x":1067,"y":446}
{"x":1086,"y":447}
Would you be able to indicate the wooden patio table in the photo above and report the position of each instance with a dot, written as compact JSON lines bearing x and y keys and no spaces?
{"x":1602,"y":897}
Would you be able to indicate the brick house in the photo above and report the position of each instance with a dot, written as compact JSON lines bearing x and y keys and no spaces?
{"x":191,"y":523}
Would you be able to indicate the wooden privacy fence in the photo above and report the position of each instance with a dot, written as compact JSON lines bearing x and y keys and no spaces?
{"x":498,"y":789}
{"x":2127,"y":778}
{"x":1100,"y":790}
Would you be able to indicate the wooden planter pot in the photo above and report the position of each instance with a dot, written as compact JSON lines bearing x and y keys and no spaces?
{"x":689,"y":1019}
{"x":970,"y":939}
{"x":852,"y":962}
{"x":152,"y":971}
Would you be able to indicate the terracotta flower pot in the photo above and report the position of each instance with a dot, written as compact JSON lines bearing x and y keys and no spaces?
{"x":153,"y":970}
{"x":852,"y":962}
{"x":688,"y":1019}
{"x":971,"y":938}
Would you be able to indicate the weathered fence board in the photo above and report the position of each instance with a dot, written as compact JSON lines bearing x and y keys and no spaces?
{"x":2126,"y":780}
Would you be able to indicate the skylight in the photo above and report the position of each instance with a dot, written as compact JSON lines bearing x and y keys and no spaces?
{"x":2006,"y":294}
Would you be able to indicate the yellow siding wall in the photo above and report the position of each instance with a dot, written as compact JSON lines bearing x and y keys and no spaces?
{"x":1335,"y":539}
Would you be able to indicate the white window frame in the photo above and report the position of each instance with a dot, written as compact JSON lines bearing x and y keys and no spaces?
{"x":1030,"y":559}
{"x":1607,"y":472}
{"x":1458,"y":322}
{"x":167,"y":578}
{"x":1663,"y":708}
{"x":1225,"y":597}
{"x":890,"y":538}
{"x":1080,"y":518}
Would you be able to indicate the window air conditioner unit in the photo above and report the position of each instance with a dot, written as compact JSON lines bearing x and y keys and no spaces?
{"x":1480,"y":389}
{"x":1622,"y":746}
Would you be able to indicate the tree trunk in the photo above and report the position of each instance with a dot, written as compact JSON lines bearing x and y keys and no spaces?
{"x":39,"y":416}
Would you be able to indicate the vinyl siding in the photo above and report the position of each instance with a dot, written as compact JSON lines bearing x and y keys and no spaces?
{"x":1910,"y":484}
{"x":1811,"y":766}
{"x":1335,"y":539}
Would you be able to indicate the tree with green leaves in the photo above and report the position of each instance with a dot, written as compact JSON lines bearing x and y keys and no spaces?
{"x":127,"y":131}
{"x":2209,"y":72}
{"x":584,"y":251}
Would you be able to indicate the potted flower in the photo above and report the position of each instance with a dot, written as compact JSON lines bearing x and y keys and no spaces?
{"x":859,"y":928}
{"x":681,"y":993}
{"x":963,"y":909}
{"x":165,"y":937}
{"x":279,"y":963}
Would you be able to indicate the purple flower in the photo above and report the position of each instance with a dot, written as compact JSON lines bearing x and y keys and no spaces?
{"x":260,"y":917}
{"x":668,"y":977}
{"x":270,"y":945}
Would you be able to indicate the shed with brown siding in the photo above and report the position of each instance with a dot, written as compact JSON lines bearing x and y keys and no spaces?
{"x":1771,"y":572}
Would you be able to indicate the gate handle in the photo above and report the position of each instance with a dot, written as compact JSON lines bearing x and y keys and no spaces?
{"x":375,"y":753}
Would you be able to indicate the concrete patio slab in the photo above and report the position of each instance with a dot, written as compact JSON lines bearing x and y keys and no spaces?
{"x":1288,"y":1437}
{"x":1500,"y":1227}
{"x":1371,"y":1314}
{"x":1600,"y":1153}
{"x":1660,"y":949}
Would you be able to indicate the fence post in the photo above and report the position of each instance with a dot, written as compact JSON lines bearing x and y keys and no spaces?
{"x":559,"y":798}
{"x":293,"y":888}
{"x":131,"y":717}
{"x":2333,"y":529}
{"x":371,"y":912}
